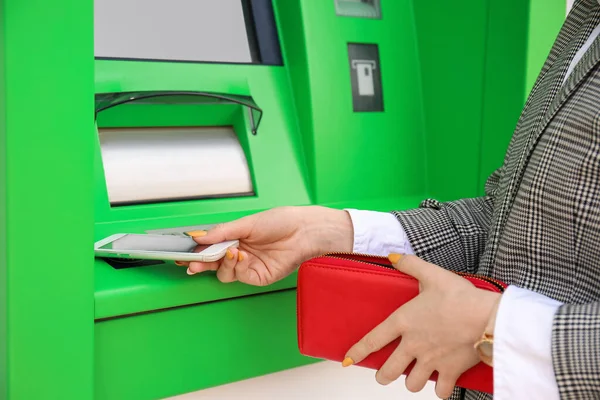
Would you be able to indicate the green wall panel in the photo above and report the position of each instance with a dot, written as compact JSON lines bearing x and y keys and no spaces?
{"x":46,"y":152}
{"x":3,"y":215}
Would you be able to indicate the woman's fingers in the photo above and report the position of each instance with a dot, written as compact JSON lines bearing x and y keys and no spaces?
{"x":245,"y":270}
{"x":226,"y":272}
{"x":229,"y":268}
{"x":384,"y":333}
{"x":418,"y":377}
{"x":394,"y":366}
{"x":241,"y":266}
{"x":445,"y":384}
{"x":226,"y":267}
{"x":196,"y":267}
{"x":238,"y":229}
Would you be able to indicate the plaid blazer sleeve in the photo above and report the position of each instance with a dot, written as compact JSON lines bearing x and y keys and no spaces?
{"x":451,"y":234}
{"x":576,"y":351}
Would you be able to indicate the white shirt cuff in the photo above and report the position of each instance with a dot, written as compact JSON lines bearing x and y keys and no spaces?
{"x":378,"y":233}
{"x":523,"y":346}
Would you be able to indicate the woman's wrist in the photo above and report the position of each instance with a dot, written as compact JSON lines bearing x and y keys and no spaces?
{"x":331,"y":230}
{"x":491,"y":322}
{"x":485,"y":343}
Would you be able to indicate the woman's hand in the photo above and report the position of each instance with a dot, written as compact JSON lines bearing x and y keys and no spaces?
{"x":273,"y":243}
{"x":438,"y":328}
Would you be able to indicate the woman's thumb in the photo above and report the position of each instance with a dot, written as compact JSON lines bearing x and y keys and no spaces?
{"x":238,"y":229}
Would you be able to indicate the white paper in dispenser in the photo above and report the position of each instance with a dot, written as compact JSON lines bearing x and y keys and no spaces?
{"x":145,"y":165}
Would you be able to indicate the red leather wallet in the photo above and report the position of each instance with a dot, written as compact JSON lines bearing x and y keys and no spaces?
{"x":341,"y":297}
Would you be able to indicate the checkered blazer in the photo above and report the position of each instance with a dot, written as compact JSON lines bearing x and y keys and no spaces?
{"x":538,"y":226}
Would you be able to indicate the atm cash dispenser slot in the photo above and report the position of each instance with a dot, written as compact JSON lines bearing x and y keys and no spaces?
{"x":148,"y":160}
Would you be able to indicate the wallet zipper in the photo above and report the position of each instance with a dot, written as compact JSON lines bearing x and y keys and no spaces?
{"x":338,"y":255}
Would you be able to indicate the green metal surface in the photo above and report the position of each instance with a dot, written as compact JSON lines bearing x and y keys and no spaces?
{"x":162,"y":354}
{"x":46,"y":151}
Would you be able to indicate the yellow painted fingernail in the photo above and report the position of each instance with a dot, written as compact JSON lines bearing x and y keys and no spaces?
{"x":394,"y":258}
{"x":240,"y":256}
{"x":229,"y":254}
{"x":196,"y":233}
{"x":347,"y":362}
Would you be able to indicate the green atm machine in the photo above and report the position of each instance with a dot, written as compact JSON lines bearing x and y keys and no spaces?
{"x":121,"y":116}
